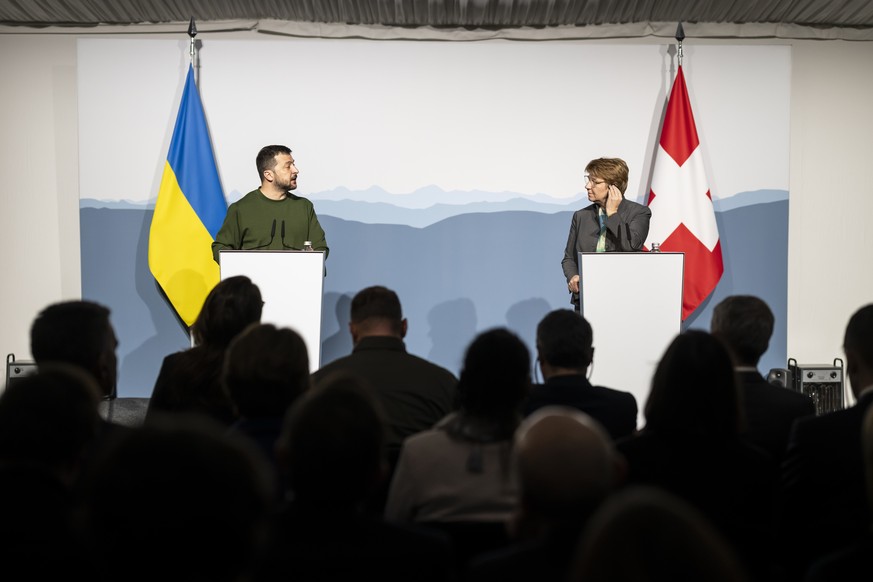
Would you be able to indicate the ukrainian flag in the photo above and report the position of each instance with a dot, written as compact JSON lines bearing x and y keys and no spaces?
{"x":189,"y":211}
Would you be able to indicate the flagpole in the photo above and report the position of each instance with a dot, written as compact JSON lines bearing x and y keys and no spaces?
{"x":680,"y":36}
{"x":192,"y":32}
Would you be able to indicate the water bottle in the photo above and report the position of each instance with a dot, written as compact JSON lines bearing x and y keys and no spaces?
{"x":656,"y":248}
{"x":307,"y":245}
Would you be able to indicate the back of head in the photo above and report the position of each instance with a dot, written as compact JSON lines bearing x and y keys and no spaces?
{"x":266,"y":159}
{"x":867,"y":448}
{"x":744,"y":323}
{"x":331,"y":443}
{"x":496,"y":375}
{"x":181,"y":492}
{"x":694,"y":389}
{"x":377,"y":305}
{"x":647,"y":535}
{"x":79,"y":333}
{"x":564,"y":340}
{"x":49,"y":418}
{"x":612,"y":170}
{"x":567,"y":464}
{"x":232,"y":305}
{"x":266,"y":368}
{"x":858,"y":345}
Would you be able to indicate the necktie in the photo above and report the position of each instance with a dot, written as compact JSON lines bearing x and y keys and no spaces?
{"x":601,"y":242}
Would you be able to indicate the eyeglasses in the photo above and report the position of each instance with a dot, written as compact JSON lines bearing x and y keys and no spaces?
{"x":593,"y":180}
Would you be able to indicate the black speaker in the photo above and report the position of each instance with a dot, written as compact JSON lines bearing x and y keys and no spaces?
{"x":16,"y":369}
{"x":821,"y":382}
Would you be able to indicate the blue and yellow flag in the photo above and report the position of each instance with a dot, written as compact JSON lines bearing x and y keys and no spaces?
{"x":189,"y":211}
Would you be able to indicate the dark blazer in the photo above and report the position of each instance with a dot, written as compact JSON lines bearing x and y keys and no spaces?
{"x":316,"y":544}
{"x":615,"y":410}
{"x":822,"y":503}
{"x":770,"y":411}
{"x":626,"y":231}
{"x":729,"y":480}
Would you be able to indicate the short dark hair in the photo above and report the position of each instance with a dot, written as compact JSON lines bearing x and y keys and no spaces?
{"x":564,"y":339}
{"x":49,"y":417}
{"x":496,"y":374}
{"x":232,"y":305}
{"x":74,"y":332}
{"x":332,"y":442}
{"x":377,"y":302}
{"x":744,"y":323}
{"x":859,"y":335}
{"x":266,"y":368}
{"x":266,"y":158}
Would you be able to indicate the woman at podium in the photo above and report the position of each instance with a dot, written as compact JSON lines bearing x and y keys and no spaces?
{"x":609,"y":224}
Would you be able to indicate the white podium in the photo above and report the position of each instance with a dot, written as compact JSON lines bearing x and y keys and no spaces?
{"x":291,"y":285}
{"x":633,"y":302}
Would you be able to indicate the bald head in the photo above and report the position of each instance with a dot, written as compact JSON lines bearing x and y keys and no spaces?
{"x":566,"y":463}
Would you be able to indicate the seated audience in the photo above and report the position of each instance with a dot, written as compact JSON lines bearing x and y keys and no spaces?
{"x":567,"y":467}
{"x":265,"y":370}
{"x":823,"y":488}
{"x":190,"y":380}
{"x":649,"y":535}
{"x":691,"y":446}
{"x":564,"y":352}
{"x":745,"y":323}
{"x":178,"y":499}
{"x":49,"y":422}
{"x":78,"y":333}
{"x":852,"y":563}
{"x":459,"y":475}
{"x":414,"y":393}
{"x":332,"y":450}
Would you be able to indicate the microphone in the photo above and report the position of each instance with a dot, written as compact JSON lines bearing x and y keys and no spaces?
{"x":272,"y":236}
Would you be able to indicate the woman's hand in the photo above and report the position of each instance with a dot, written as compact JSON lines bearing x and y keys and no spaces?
{"x":613,"y":199}
{"x":573,"y":284}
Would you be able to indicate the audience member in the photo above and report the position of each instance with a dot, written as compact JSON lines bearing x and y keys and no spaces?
{"x":567,"y":467}
{"x":823,"y":489}
{"x":691,"y":447}
{"x":177,"y":499}
{"x":460,"y":472}
{"x":332,"y":448}
{"x":564,"y":352}
{"x":852,"y":564}
{"x":414,"y":393}
{"x":190,"y":380}
{"x":646,"y":534}
{"x":77,"y":332}
{"x":266,"y":369}
{"x":744,"y":323}
{"x":48,"y":423}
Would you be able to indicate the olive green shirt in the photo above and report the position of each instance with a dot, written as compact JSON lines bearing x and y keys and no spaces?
{"x":257,"y":222}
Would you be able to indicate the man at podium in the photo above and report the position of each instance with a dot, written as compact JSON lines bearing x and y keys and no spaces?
{"x":271,"y":217}
{"x":609,"y":224}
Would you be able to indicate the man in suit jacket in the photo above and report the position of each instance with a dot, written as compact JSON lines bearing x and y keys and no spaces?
{"x":745,"y":324}
{"x":413,"y":392}
{"x":823,"y":504}
{"x":564,"y":350}
{"x":609,"y":224}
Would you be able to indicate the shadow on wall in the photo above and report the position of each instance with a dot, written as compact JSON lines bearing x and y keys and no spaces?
{"x":455,"y":278}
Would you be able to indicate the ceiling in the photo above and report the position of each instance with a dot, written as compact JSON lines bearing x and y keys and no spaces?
{"x":847,"y":19}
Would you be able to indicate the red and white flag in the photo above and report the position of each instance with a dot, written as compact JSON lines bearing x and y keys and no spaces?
{"x":683,"y":218}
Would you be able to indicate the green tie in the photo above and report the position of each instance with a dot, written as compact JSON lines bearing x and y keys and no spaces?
{"x":601,"y":242}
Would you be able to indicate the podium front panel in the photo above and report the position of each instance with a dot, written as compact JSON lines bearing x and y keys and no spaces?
{"x":633,"y":302}
{"x":292,"y":287}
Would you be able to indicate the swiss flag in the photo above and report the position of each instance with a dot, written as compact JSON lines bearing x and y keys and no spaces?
{"x":683,"y":218}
